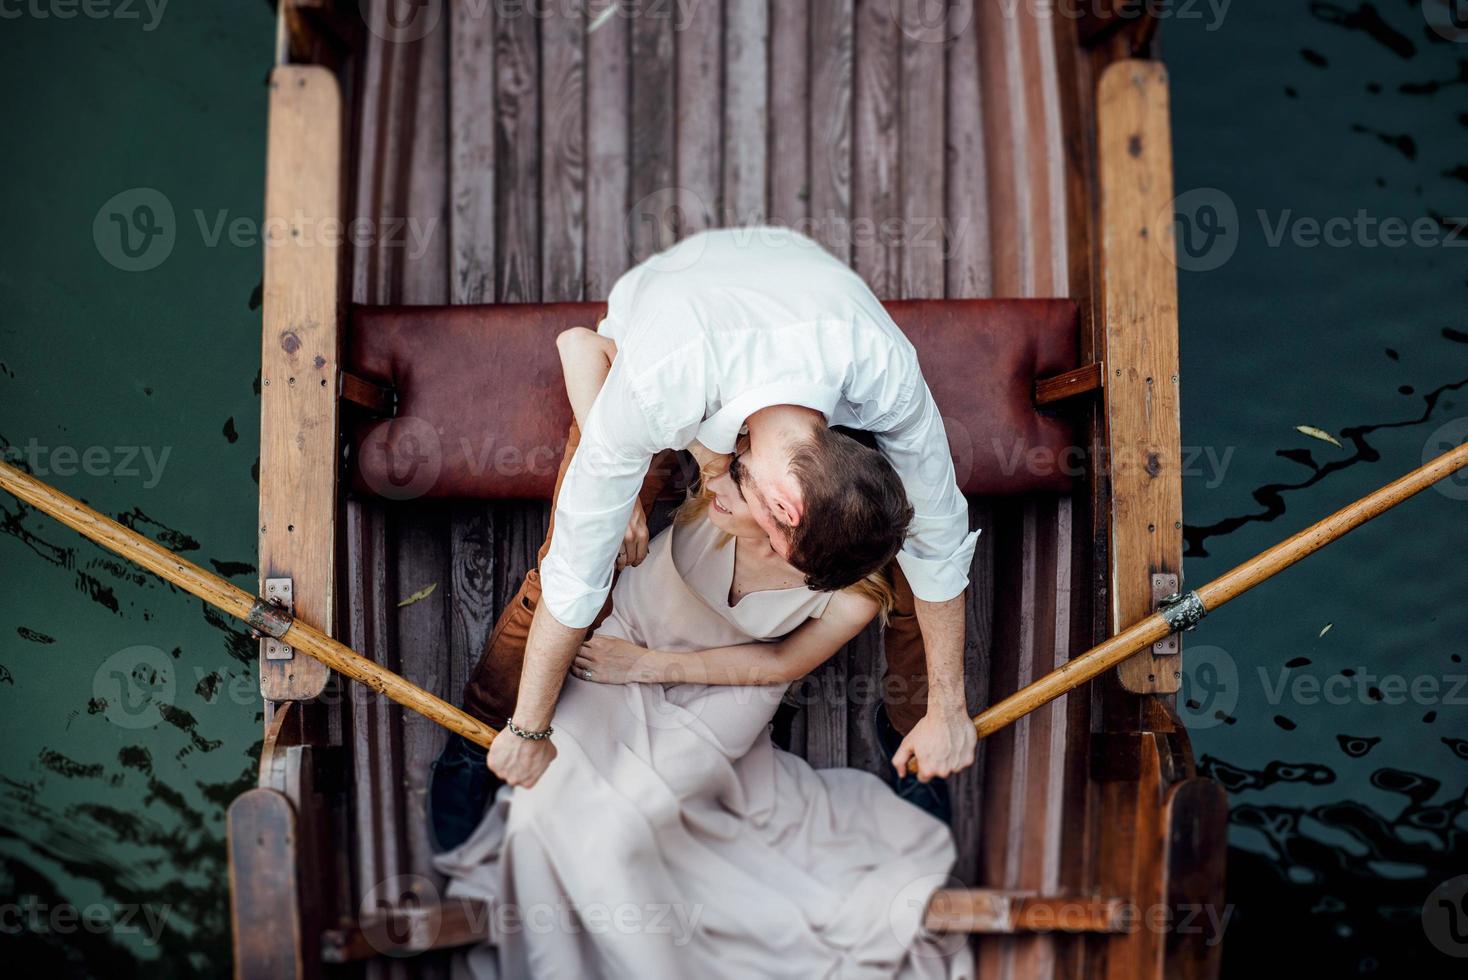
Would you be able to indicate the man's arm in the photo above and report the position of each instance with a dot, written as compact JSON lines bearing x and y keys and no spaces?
{"x":936,"y":559}
{"x":597,"y":497}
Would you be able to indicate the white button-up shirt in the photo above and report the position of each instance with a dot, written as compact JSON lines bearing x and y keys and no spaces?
{"x":712,"y":330}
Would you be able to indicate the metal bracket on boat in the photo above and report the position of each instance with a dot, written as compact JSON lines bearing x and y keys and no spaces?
{"x":1182,"y":611}
{"x":273,"y":616}
{"x":1164,"y":586}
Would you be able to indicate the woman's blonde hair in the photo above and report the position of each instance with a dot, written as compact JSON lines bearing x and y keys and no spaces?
{"x":876,"y":586}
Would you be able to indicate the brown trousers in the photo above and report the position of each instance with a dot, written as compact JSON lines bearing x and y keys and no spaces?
{"x":492,"y":688}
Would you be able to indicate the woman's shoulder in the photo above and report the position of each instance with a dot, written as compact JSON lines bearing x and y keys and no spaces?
{"x":852,"y":606}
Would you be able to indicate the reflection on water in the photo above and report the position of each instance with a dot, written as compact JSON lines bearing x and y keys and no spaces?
{"x":1347,"y":783}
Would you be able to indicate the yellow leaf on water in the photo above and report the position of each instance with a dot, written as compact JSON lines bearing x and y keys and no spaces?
{"x":1320,"y":434}
{"x":1325,"y":630}
{"x":418,"y":596}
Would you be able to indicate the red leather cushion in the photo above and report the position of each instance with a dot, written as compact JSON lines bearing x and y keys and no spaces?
{"x":482,"y":411}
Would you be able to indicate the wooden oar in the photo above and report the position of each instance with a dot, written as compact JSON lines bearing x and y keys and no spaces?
{"x":1183,"y":612}
{"x":238,"y":603}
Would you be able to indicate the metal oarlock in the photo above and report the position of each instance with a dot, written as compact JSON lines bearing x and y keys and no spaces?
{"x":1183,"y":611}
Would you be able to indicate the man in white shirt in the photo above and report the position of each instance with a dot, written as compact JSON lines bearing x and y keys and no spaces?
{"x":757,"y":332}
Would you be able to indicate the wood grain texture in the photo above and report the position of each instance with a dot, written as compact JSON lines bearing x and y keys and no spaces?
{"x":790,"y":117}
{"x":517,"y":156}
{"x":968,"y":273}
{"x":563,"y":152}
{"x":746,"y":111}
{"x":1139,"y":296}
{"x":876,"y":192}
{"x":300,"y":348}
{"x":471,"y":152}
{"x":699,"y":151}
{"x":653,"y":218}
{"x":921,"y":128}
{"x":264,"y":888}
{"x":376,"y":723}
{"x":1007,"y":158}
{"x":832,"y":53}
{"x":607,"y":133}
{"x":420,"y":554}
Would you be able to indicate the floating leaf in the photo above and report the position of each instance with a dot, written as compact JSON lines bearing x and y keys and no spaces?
{"x":1320,"y":434}
{"x":418,"y":596}
{"x":602,"y":18}
{"x":1325,"y":630}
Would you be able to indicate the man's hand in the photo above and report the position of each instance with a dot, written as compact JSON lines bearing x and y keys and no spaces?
{"x":634,"y":540}
{"x":943,"y":742}
{"x":611,"y":660}
{"x":520,"y":761}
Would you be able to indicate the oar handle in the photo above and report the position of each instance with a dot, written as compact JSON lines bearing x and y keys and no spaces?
{"x":1194,"y":605}
{"x":238,"y":603}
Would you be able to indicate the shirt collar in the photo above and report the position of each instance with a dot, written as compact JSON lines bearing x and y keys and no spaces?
{"x":720,"y":430}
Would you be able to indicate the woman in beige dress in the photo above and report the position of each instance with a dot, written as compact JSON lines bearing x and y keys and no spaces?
{"x":671,"y":838}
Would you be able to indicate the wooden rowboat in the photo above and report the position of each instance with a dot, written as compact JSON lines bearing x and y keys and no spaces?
{"x":450,"y":183}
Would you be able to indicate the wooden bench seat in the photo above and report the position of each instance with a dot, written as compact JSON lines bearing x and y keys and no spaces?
{"x":481,"y":412}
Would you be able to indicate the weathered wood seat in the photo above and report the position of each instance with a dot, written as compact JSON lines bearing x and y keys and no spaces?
{"x":479,"y":410}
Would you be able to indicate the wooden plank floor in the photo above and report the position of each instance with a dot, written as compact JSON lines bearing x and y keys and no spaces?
{"x":539,"y":160}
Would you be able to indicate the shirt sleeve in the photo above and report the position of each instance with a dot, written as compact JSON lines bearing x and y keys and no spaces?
{"x":595,"y":502}
{"x":939,"y":550}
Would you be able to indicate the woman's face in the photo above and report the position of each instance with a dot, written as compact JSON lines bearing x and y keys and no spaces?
{"x":728,"y":510}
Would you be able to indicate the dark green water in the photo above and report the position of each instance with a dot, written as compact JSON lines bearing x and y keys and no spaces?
{"x":1348,"y":809}
{"x":1347,"y":791}
{"x":112,"y":808}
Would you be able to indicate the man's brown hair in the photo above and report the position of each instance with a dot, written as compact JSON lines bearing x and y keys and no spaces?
{"x":854,"y":513}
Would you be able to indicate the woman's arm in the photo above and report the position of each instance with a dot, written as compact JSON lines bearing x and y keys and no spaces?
{"x":615,"y":661}
{"x":586,"y":359}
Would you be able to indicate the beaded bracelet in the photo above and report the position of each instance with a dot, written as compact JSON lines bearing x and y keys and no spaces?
{"x":528,"y":736}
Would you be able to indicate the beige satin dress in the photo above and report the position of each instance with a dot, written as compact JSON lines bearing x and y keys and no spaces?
{"x":671,"y":838}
